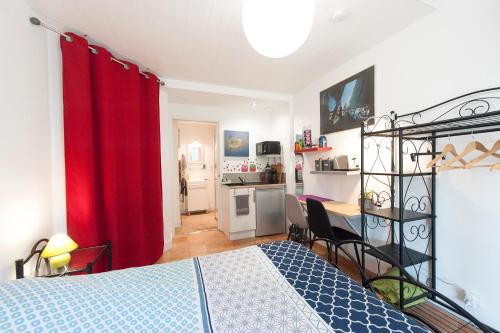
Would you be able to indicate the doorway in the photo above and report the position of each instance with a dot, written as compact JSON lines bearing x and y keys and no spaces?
{"x":197,"y":169}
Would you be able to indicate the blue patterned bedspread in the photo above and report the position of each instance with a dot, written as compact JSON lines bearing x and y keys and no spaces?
{"x":275,"y":287}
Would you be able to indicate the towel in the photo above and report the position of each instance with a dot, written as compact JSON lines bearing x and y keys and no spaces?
{"x":242,"y":204}
{"x":182,"y":166}
{"x":184,"y":189}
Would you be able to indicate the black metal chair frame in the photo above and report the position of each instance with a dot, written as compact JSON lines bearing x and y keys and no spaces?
{"x":298,"y":234}
{"x":405,"y":278}
{"x":293,"y":231}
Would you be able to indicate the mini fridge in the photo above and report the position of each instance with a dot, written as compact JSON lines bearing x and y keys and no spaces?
{"x":270,"y":211}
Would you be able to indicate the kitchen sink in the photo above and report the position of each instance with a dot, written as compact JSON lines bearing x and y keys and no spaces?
{"x":246,"y":184}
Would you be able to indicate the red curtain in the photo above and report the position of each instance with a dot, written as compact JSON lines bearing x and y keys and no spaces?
{"x":112,"y":154}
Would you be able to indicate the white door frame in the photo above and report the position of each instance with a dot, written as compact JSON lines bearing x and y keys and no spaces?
{"x":217,"y":162}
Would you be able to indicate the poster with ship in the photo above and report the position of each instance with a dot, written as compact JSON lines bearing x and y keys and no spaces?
{"x":347,"y":104}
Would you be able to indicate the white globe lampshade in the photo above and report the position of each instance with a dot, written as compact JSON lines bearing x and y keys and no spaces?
{"x":277,"y":28}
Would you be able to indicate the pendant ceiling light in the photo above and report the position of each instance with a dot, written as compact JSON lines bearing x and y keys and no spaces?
{"x":277,"y":28}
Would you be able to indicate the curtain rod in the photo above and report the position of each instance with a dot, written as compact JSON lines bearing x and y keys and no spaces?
{"x":36,"y":21}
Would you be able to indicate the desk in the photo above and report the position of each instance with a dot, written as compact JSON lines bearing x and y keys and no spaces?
{"x":342,"y":209}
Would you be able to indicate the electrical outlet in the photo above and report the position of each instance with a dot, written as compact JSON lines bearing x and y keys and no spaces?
{"x":471,"y":299}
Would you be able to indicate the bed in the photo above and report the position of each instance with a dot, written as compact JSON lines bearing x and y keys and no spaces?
{"x":274,"y":287}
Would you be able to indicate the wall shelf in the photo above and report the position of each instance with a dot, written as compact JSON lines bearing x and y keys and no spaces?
{"x":337,"y":172}
{"x":309,"y":150}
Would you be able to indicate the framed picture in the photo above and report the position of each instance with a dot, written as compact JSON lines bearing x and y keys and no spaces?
{"x":347,"y":104}
{"x":236,"y":144}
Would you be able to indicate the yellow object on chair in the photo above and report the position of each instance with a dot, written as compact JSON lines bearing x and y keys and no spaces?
{"x":57,"y":250}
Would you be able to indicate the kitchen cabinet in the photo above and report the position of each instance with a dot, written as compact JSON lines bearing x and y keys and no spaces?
{"x":197,"y":198}
{"x":266,"y":211}
{"x":238,"y":226}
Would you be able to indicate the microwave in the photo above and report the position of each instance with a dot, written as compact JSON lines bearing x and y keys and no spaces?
{"x":268,"y":148}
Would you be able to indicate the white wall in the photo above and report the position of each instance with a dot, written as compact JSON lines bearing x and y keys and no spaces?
{"x":451,"y":51}
{"x":168,"y":171}
{"x":281,"y":130}
{"x":56,"y":111}
{"x":262,"y":125}
{"x":25,"y":147}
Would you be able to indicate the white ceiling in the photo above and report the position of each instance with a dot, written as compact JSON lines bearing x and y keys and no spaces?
{"x":237,"y":103}
{"x":203,"y":40}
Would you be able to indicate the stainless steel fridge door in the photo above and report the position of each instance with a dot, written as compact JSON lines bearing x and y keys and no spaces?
{"x":270,"y":211}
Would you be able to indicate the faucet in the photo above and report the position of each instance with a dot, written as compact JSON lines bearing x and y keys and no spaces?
{"x":242,"y":180}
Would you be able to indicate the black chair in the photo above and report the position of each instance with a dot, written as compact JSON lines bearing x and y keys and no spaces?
{"x":319,"y":225}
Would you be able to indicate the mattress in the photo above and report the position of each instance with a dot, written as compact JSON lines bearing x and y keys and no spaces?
{"x":274,"y":287}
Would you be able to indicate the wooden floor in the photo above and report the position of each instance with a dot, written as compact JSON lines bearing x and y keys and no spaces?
{"x":196,"y":222}
{"x":192,"y":240}
{"x":198,"y":243}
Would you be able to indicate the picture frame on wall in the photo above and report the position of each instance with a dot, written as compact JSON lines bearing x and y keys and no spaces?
{"x":348,"y":103}
{"x":236,"y":144}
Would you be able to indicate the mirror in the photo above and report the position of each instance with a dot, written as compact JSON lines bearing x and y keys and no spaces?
{"x":195,"y":153}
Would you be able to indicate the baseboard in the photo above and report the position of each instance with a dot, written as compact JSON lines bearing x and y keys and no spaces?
{"x":167,"y":245}
{"x":242,"y":234}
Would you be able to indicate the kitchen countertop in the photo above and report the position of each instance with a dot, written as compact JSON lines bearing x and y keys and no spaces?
{"x":263,"y":185}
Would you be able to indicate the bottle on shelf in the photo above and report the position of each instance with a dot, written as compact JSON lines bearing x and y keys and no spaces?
{"x":322,"y":142}
{"x":307,"y":136}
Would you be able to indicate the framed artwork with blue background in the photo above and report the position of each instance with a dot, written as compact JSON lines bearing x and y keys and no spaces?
{"x":236,"y":144}
{"x":348,"y":103}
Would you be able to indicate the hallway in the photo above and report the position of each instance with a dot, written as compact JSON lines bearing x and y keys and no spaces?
{"x":196,"y":223}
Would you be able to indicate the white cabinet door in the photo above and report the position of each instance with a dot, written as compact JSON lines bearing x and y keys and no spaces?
{"x":197,"y":196}
{"x":242,"y":222}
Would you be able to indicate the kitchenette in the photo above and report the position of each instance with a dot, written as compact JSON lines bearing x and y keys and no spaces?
{"x":253,"y":203}
{"x":253,"y":209}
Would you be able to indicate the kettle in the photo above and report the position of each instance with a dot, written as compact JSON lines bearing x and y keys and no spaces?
{"x":266,"y":175}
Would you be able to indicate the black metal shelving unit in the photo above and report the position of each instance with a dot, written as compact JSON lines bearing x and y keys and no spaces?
{"x":404,"y":190}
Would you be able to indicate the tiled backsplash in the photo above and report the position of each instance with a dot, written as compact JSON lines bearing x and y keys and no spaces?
{"x":235,"y":167}
{"x":231,"y":165}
